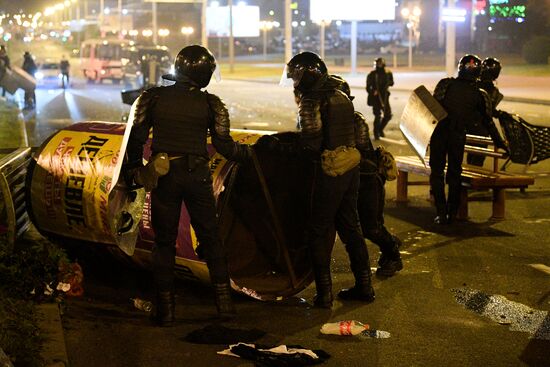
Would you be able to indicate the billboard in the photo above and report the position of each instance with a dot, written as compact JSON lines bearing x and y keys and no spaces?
{"x":246,"y":21}
{"x":378,"y":10}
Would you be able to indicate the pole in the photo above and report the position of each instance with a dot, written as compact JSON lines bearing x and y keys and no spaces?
{"x":85,"y":9}
{"x":450,"y":49}
{"x":264,"y":30}
{"x":231,"y":38}
{"x":119,"y":18}
{"x":100,"y":20}
{"x":322,"y":39}
{"x":288,"y":31}
{"x":219,"y":48}
{"x":79,"y":25}
{"x":155,"y":30}
{"x":353,"y":47}
{"x":409,"y":25}
{"x":204,"y":34}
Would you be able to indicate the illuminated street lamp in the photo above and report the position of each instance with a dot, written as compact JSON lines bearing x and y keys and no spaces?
{"x":147,"y":33}
{"x":163,"y":32}
{"x":187,"y":31}
{"x":413,"y":20}
{"x":265,"y":26}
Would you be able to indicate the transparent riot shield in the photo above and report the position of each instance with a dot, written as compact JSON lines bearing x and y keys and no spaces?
{"x":419,"y":119}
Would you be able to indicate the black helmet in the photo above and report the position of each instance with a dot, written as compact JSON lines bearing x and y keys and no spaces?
{"x":380,"y":63}
{"x":305,"y":69}
{"x":469,"y":67}
{"x":490,"y":69}
{"x":195,"y":63}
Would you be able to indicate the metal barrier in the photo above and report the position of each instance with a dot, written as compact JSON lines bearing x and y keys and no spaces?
{"x":14,"y":219}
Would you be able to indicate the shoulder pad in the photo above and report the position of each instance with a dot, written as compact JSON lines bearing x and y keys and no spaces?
{"x":441,"y":88}
{"x":220,"y":114}
{"x":144,"y":103}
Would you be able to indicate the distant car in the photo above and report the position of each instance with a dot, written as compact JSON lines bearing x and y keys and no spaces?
{"x":48,"y":74}
{"x":132,"y":58}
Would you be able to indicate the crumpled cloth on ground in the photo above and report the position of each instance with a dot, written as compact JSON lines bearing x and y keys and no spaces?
{"x":280,"y":356}
{"x":218,"y":334}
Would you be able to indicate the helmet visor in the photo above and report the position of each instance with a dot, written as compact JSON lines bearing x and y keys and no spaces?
{"x":291,"y":76}
{"x":217,"y":74}
{"x":286,"y":79}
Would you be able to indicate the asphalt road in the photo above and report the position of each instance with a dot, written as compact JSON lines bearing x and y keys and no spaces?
{"x":428,"y":325}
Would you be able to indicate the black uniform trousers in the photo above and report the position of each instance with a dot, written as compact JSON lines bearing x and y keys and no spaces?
{"x":334,"y":206}
{"x":194,"y":186}
{"x":370,"y":205}
{"x":377,"y":109}
{"x":446,"y":146}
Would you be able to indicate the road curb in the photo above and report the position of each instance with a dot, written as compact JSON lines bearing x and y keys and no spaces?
{"x":54,"y":350}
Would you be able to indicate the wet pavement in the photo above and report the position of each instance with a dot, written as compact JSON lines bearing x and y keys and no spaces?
{"x":418,"y":306}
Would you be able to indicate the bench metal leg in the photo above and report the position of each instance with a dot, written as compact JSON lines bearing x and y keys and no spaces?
{"x":402,"y":186}
{"x":499,"y":199}
{"x":463,"y":208}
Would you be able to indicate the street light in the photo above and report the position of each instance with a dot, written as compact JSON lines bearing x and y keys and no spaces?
{"x":265,"y":26}
{"x":163,"y":32}
{"x":187,"y":31}
{"x":413,"y":20}
{"x":147,"y":33}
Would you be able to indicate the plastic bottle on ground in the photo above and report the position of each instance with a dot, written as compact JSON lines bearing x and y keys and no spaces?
{"x":349,"y":327}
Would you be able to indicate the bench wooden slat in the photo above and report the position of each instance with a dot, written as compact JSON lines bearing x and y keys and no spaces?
{"x":472,"y":178}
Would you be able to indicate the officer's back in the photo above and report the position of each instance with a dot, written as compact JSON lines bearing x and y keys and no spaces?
{"x":181,"y":116}
{"x":463,"y":102}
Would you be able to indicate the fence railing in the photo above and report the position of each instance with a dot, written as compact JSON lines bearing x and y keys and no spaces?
{"x":14,"y":219}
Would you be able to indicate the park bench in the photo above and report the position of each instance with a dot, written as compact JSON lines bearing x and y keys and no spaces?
{"x":473,"y":178}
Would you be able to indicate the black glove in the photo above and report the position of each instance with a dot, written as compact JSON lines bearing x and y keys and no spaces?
{"x":129,"y":171}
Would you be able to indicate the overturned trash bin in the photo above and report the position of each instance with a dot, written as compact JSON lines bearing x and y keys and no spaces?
{"x":76,"y":190}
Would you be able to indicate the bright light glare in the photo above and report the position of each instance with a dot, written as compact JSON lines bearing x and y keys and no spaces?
{"x":352,"y":10}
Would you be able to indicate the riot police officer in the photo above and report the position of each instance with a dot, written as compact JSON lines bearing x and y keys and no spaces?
{"x":464,"y":102}
{"x":326,"y":119}
{"x":372,"y":196}
{"x":30,"y":67}
{"x":181,"y":115}
{"x":490,"y":70}
{"x":378,"y":82}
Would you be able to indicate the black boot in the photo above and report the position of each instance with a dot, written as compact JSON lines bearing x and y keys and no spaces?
{"x":165,"y":309}
{"x":362,"y":291}
{"x":323,"y":284}
{"x":224,"y":304}
{"x":390,"y":260}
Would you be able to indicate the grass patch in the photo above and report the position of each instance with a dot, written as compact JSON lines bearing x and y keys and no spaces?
{"x":25,"y":275}
{"x":10,"y":126}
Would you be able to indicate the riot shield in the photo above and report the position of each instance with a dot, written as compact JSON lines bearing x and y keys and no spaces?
{"x":419,"y":119}
{"x":15,"y":78}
